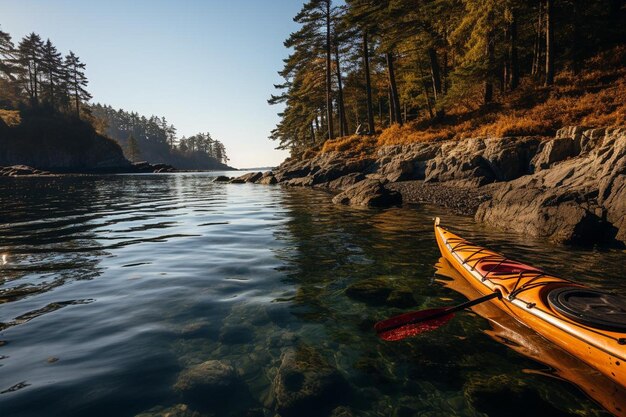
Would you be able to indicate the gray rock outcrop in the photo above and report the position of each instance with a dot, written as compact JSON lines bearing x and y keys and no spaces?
{"x":573,"y":197}
{"x":22,"y":171}
{"x":570,"y":188}
{"x":479,"y":161}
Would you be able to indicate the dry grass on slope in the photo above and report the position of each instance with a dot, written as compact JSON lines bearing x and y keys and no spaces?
{"x":593,"y":97}
{"x":10,"y":117}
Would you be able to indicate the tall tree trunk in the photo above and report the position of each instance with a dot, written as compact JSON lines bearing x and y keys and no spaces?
{"x":312,"y":134}
{"x":394,"y":89}
{"x":505,"y":72}
{"x":36,"y":79}
{"x":513,"y":55}
{"x":368,"y":85}
{"x":76,"y":92}
{"x":445,"y":67}
{"x":425,"y":87}
{"x":50,"y":75}
{"x":329,"y":89}
{"x":539,"y":43}
{"x":435,"y":73}
{"x":549,"y":42}
{"x":343,"y":122}
{"x":488,"y":94}
{"x":357,"y":116}
{"x":317,"y":124}
{"x":392,"y":114}
{"x":31,"y":83}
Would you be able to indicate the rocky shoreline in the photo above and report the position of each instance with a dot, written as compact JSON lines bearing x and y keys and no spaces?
{"x":569,"y":189}
{"x":136,"y":168}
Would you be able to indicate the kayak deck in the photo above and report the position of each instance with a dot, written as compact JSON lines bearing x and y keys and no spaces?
{"x":525,"y":291}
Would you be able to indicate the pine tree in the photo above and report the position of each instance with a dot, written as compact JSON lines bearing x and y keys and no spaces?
{"x":53,"y":69}
{"x":29,"y":53}
{"x":8,"y":68}
{"x":77,"y":81}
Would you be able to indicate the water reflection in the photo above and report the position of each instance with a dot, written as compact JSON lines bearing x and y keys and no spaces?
{"x":115,"y":288}
{"x":520,"y":338}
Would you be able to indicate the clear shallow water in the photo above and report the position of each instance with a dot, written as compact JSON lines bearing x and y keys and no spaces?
{"x":110,"y":287}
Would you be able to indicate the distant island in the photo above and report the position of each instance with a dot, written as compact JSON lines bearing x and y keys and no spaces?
{"x":47,"y":123}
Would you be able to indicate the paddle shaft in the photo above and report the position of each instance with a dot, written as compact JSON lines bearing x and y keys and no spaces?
{"x":447,"y":311}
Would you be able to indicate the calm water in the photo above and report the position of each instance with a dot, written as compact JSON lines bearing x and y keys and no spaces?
{"x":111,"y":287}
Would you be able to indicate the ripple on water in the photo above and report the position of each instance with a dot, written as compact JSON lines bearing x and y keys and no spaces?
{"x":113,"y":287}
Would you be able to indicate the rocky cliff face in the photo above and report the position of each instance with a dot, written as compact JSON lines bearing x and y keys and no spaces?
{"x":577,"y":192}
{"x":571,"y":188}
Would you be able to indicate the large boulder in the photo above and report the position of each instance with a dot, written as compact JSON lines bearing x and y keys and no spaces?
{"x":369,"y":193}
{"x":577,"y":200}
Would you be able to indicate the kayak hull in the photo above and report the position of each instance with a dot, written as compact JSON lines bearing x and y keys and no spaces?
{"x":525,"y":292}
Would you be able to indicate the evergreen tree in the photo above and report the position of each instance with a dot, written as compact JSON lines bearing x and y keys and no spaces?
{"x":77,"y":81}
{"x":29,"y":52}
{"x":7,"y":56}
{"x":53,"y":69}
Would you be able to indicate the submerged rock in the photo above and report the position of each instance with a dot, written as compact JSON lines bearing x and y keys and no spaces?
{"x":222,"y":178}
{"x":178,"y":410}
{"x":369,"y":193}
{"x":208,"y":382}
{"x":341,"y":412}
{"x":306,"y":385}
{"x":373,"y":290}
{"x":381,"y":290}
{"x":232,"y":335}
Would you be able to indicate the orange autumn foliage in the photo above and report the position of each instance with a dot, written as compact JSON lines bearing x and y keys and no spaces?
{"x":593,"y":97}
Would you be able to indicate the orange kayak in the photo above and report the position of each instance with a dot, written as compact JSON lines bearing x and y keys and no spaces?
{"x":586,"y":323}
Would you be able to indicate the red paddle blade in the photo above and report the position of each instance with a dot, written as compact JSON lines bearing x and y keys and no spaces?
{"x":412,"y":324}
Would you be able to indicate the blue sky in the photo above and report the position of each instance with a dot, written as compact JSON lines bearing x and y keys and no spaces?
{"x":205,"y":65}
